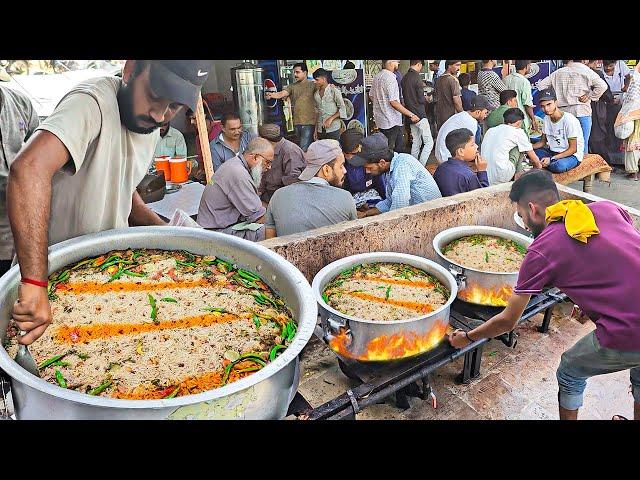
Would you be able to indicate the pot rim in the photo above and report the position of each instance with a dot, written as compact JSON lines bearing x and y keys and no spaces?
{"x":466,"y":230}
{"x":391,"y":257}
{"x":138,"y":235}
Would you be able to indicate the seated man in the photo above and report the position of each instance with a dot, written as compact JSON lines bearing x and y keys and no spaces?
{"x":508,"y":99}
{"x":561,"y":147}
{"x":230,"y":204}
{"x":288,"y":162}
{"x":478,"y":111}
{"x":504,"y":147}
{"x":231,"y":141}
{"x":455,"y":175}
{"x":171,"y":142}
{"x":317,"y":200}
{"x":367,"y":189}
{"x":407,"y":181}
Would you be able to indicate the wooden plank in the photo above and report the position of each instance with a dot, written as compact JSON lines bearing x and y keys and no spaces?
{"x":203,"y":138}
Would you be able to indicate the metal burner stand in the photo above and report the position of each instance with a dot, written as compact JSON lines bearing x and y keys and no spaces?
{"x":411,"y":377}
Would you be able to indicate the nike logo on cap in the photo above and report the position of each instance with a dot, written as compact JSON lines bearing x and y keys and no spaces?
{"x":201,"y":73}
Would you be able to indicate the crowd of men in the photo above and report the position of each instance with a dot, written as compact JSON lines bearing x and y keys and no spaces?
{"x":76,"y":173}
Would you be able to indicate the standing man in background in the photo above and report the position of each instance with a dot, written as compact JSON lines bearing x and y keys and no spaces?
{"x":415,"y":101}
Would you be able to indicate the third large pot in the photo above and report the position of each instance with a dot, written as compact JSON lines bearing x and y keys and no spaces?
{"x":355,"y":338}
{"x":476,"y":286}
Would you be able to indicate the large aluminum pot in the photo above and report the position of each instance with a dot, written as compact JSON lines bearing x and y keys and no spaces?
{"x":476,"y":286}
{"x":355,"y":338}
{"x":264,"y":395}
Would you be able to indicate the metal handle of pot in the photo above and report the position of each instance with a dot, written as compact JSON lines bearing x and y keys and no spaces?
{"x":336,"y":326}
{"x":458,"y":274}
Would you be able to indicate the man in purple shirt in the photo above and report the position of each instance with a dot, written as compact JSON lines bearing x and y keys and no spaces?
{"x":455,"y":175}
{"x":599,"y":273}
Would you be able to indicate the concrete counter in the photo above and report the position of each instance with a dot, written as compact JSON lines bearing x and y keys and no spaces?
{"x":407,"y":230}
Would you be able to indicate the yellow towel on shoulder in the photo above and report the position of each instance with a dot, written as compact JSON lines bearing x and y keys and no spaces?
{"x":578,"y":219}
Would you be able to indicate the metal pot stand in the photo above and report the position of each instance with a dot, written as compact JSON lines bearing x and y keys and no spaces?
{"x":412,"y":377}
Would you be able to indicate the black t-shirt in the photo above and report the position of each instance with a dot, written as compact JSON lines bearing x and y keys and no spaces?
{"x":413,"y":93}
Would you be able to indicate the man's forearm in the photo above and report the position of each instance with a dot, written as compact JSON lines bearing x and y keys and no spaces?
{"x":142,"y":215}
{"x":398,"y":106}
{"x":530,"y":114}
{"x":457,"y":103}
{"x":29,"y":217}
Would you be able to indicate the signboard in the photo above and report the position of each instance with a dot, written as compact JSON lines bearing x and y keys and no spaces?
{"x":351,"y":84}
{"x":537,"y":71}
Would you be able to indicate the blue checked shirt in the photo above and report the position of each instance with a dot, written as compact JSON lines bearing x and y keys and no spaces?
{"x":407,"y":183}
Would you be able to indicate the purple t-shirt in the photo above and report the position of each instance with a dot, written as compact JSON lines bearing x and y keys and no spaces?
{"x":601,"y":276}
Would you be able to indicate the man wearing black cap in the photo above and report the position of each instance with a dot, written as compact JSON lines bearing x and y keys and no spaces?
{"x":406,"y":180}
{"x":79,"y":171}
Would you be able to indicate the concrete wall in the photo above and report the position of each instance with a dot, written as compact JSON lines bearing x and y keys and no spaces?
{"x":407,"y":230}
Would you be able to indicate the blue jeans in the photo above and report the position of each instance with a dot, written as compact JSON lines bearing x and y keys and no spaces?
{"x":305,"y":134}
{"x":557,"y":166}
{"x":585,"y":123}
{"x":587,"y":359}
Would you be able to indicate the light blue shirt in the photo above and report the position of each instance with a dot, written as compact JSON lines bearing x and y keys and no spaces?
{"x":221,"y":152}
{"x":407,"y":183}
{"x":171,"y":144}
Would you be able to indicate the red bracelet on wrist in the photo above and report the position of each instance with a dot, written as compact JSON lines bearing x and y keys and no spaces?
{"x":34,"y":282}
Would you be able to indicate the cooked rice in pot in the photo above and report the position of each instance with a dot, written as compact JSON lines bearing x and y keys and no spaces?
{"x":151,"y":324}
{"x":486,"y":253}
{"x":385,"y":291}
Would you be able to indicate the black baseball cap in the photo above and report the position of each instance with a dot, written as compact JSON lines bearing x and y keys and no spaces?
{"x":373,"y":147}
{"x":479,"y":102}
{"x":179,"y":80}
{"x":547,"y":94}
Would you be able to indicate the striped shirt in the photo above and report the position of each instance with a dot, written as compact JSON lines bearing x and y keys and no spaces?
{"x":490,"y":85}
{"x":407,"y":183}
{"x":570,"y":83}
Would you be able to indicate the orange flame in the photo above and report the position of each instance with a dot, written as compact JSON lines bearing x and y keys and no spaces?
{"x":497,"y":297}
{"x":391,"y":347}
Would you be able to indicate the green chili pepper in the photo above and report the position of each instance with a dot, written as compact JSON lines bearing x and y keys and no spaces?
{"x":46,"y":363}
{"x":325,"y":298}
{"x":254,"y":358}
{"x":274,"y":351}
{"x":154,"y":310}
{"x":190,"y":256}
{"x":60,"y":379}
{"x":214,"y":309}
{"x":137,"y":254}
{"x":386,"y":295}
{"x":293,"y":328}
{"x":116,"y":275}
{"x":61,"y":364}
{"x":248,"y":275}
{"x":244,"y":282}
{"x":101,"y":388}
{"x":113,"y":261}
{"x":486,"y":257}
{"x":260,"y":299}
{"x":64,"y":276}
{"x":133,"y":274}
{"x":82,"y":356}
{"x":168,"y":299}
{"x":78,"y":265}
{"x":256,"y":321}
{"x":185,"y":264}
{"x":174,"y":393}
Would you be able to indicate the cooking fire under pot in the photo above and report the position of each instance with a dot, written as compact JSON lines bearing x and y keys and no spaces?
{"x":476,"y":286}
{"x":353,"y":338}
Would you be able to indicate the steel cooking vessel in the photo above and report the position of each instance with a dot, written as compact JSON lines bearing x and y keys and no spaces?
{"x":355,"y":338}
{"x":476,"y":286}
{"x":264,"y":395}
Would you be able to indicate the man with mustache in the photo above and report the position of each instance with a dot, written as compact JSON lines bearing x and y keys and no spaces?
{"x":230,"y":203}
{"x":79,"y":171}
{"x":592,"y":253}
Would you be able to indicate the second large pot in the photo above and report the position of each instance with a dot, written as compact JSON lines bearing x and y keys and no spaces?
{"x":355,"y":338}
{"x":476,"y":286}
